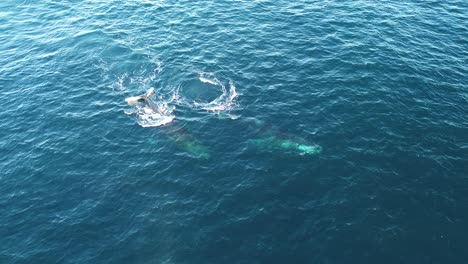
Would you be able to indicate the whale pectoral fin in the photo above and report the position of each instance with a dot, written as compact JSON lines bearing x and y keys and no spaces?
{"x":134,"y":100}
{"x":150,"y":92}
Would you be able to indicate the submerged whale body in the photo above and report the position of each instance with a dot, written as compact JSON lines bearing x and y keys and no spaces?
{"x":186,"y":142}
{"x":273,"y":143}
{"x":271,"y":139}
{"x":152,"y":114}
{"x":191,"y":146}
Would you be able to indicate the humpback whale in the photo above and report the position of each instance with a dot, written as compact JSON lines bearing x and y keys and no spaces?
{"x":273,"y":140}
{"x":176,"y":132}
{"x":273,"y":143}
{"x":144,"y":99}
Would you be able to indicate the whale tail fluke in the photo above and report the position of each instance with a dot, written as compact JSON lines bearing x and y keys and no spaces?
{"x":134,"y":100}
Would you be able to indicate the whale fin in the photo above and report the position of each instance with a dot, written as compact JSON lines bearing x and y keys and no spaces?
{"x":150,"y":92}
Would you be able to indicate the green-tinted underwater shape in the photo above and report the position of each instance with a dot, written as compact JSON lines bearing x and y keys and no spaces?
{"x":273,"y":144}
{"x":196,"y":149}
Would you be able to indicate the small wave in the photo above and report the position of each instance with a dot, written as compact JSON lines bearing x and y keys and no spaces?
{"x":143,"y":72}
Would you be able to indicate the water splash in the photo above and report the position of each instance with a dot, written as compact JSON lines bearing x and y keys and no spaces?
{"x":223,"y":103}
{"x":161,"y":112}
{"x":222,"y":99}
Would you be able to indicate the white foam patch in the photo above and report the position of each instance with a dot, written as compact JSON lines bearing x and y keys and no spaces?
{"x":148,"y":117}
{"x":202,"y":79}
{"x":225,"y":101}
{"x":139,"y":77}
{"x":162,"y":112}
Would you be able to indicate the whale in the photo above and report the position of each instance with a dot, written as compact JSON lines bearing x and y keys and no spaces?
{"x":176,"y":132}
{"x":273,"y":143}
{"x":185,"y":141}
{"x":271,"y":139}
{"x":144,"y":99}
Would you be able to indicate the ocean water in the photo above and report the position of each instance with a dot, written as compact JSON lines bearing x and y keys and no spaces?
{"x":281,"y":131}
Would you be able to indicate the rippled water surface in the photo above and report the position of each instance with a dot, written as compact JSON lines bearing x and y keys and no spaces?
{"x":282,"y":131}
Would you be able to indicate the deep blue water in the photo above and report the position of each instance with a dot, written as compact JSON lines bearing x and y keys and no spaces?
{"x":378,"y":90}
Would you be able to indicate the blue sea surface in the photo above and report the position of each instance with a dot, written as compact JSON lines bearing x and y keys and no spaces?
{"x":283,"y":131}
